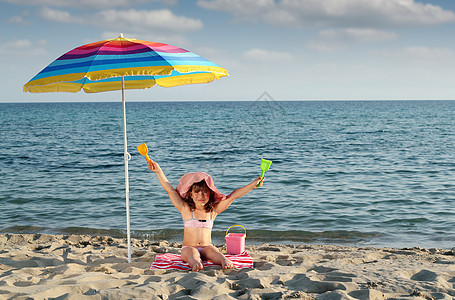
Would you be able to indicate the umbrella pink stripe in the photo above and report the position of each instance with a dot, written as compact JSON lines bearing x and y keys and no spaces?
{"x":124,"y":44}
{"x":92,"y":45}
{"x":152,"y":45}
{"x":161,"y":46}
{"x":115,"y":51}
{"x":157,"y":47}
{"x":119,"y":44}
{"x":168,"y":48}
{"x":101,"y":43}
{"x":115,"y":46}
{"x":106,"y":47}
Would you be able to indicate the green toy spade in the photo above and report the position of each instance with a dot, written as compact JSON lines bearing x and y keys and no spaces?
{"x":265,"y":165}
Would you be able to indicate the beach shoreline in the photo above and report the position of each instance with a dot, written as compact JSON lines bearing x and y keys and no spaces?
{"x":44,"y":266}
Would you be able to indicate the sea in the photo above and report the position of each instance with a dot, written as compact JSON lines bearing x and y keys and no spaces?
{"x":354,"y":173}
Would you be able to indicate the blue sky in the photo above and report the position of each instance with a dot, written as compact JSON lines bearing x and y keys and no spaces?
{"x":293,"y":49}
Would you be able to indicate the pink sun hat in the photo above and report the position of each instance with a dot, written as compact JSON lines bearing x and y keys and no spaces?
{"x":187,"y":181}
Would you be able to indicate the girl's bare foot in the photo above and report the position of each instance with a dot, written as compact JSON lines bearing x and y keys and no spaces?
{"x":192,"y":257}
{"x":226,"y":263}
{"x":195,"y":265}
{"x":212,"y":253}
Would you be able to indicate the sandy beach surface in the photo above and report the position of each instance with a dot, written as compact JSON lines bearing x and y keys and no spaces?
{"x":41,"y":266}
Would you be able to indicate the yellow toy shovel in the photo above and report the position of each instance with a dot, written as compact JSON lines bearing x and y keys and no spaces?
{"x":265,"y":165}
{"x":143,"y":150}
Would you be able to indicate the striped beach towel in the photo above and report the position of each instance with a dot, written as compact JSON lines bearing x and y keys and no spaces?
{"x":174,"y":262}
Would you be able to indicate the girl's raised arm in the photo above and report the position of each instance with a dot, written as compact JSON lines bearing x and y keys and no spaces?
{"x":223,"y":205}
{"x":173,"y":195}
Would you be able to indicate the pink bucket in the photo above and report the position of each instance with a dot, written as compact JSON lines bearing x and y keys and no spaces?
{"x":235,"y":242}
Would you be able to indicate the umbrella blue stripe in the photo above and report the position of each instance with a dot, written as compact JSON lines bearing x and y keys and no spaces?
{"x":192,"y":63}
{"x":127,"y":78}
{"x":175,"y":73}
{"x":184,"y":54}
{"x":84,"y":68}
{"x":127,"y":59}
{"x":110,"y":57}
{"x":104,"y":64}
{"x":115,"y":79}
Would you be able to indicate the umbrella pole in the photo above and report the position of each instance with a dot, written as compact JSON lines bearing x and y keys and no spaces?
{"x":127,"y":157}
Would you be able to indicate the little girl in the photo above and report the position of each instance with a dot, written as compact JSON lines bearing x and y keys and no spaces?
{"x":199,"y":202}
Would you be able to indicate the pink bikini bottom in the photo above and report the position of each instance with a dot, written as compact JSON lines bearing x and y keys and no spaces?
{"x":197,"y":248}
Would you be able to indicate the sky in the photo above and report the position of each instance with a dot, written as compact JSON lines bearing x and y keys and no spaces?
{"x":291,"y":49}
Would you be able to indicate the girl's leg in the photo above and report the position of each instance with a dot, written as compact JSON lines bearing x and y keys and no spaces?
{"x":212,"y":253}
{"x":192,"y":257}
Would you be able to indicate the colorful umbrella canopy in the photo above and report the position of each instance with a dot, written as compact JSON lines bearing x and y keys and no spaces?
{"x":98,"y":67}
{"x":119,"y":64}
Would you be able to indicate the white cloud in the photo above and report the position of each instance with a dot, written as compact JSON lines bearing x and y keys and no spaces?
{"x":352,"y":13}
{"x":143,"y":20}
{"x":359,"y":34}
{"x":60,"y":16}
{"x":22,"y":47}
{"x":153,"y":22}
{"x":87,"y":3}
{"x":334,"y":40}
{"x":262,"y":55}
{"x":241,"y":9}
{"x":420,"y":53}
{"x":17,"y":20}
{"x":18,"y":44}
{"x":426,"y":52}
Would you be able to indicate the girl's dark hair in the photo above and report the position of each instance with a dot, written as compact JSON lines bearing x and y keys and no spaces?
{"x":196,"y":187}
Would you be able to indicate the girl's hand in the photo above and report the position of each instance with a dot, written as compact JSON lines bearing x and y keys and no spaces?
{"x":153,"y":166}
{"x":258,"y":182}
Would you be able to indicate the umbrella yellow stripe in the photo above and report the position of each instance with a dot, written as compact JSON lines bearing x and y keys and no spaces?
{"x":157,"y":70}
{"x":151,"y":71}
{"x":217,"y":71}
{"x":63,"y":83}
{"x":98,"y":75}
{"x":72,"y":87}
{"x":59,"y":79}
{"x":185,"y":79}
{"x":96,"y":87}
{"x":103,"y":74}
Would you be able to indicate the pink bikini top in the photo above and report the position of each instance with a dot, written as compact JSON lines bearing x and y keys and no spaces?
{"x":195,"y":223}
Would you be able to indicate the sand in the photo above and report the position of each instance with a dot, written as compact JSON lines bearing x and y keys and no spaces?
{"x":41,"y":266}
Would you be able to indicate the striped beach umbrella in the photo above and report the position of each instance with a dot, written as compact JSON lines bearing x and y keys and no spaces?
{"x":121,"y":64}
